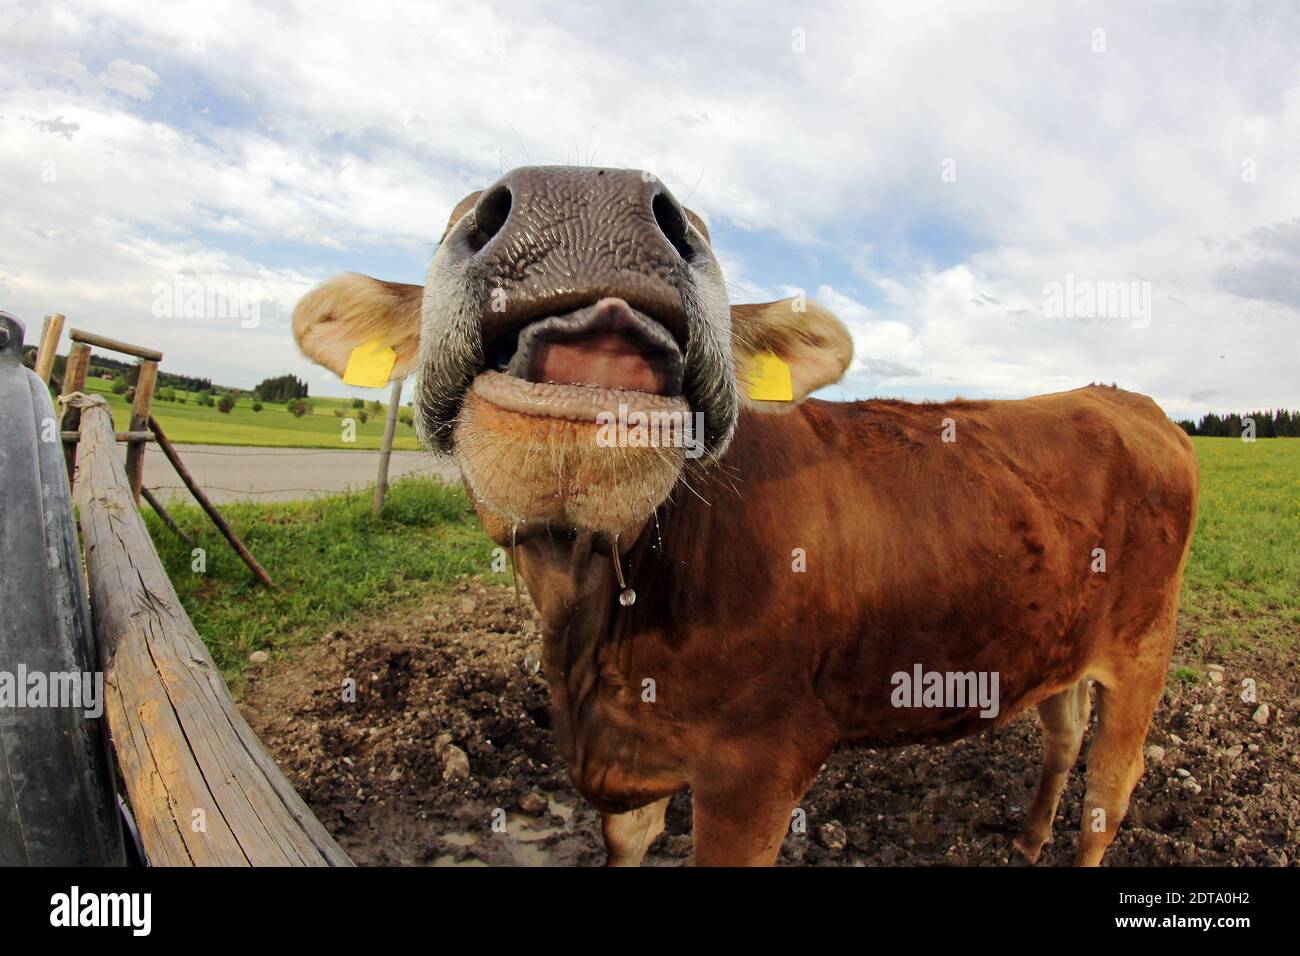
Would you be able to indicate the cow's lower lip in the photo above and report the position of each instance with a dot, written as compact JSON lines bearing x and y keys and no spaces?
{"x":575,"y":403}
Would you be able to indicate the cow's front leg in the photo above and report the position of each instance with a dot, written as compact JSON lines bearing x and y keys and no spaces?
{"x":741,"y":828}
{"x":628,"y":835}
{"x":742,"y":813}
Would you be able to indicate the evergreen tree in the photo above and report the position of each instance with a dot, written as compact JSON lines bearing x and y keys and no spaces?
{"x":282,"y":388}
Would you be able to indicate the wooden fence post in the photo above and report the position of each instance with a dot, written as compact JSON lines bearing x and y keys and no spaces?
{"x":227,"y":532}
{"x":49,"y":347}
{"x":74,"y":380}
{"x":386,"y":451}
{"x":167,"y":519}
{"x":140,"y":410}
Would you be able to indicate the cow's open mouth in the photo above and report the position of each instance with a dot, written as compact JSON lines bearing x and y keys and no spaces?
{"x":579,"y":363}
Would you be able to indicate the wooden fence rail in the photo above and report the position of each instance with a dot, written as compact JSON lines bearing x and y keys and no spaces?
{"x":203,"y":789}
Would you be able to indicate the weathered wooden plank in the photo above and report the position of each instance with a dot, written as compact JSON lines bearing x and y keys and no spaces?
{"x":204,"y":790}
{"x":140,"y":405}
{"x":113,"y":345}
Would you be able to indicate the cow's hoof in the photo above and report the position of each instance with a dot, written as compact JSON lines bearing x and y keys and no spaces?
{"x":1028,"y":849}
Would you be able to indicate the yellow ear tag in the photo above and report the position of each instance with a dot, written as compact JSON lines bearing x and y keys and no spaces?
{"x":370,"y":365}
{"x":769,"y":379}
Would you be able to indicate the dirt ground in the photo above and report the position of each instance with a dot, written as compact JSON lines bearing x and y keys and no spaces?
{"x":457,"y":677}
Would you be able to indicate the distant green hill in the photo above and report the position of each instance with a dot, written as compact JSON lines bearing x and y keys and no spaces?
{"x":273,"y":426}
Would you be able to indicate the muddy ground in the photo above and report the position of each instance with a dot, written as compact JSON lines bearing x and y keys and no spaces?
{"x":457,"y":676}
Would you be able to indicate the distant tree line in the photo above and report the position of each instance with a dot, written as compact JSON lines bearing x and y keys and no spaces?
{"x":186,"y":383}
{"x":282,"y":388}
{"x":102,"y":364}
{"x":1279,"y":423}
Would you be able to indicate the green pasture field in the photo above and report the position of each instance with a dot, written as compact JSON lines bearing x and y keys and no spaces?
{"x":330,"y":559}
{"x":273,"y":426}
{"x":1242,"y":587}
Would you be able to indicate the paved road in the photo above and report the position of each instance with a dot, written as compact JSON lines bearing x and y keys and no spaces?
{"x":234,"y":473}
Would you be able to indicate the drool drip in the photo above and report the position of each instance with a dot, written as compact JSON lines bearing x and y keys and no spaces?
{"x":626,"y":596}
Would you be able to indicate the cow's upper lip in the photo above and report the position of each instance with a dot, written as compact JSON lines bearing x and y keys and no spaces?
{"x":605,"y":345}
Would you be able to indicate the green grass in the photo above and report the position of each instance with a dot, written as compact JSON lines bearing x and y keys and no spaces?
{"x":1242,"y":587}
{"x":273,"y":426}
{"x":329,"y":558}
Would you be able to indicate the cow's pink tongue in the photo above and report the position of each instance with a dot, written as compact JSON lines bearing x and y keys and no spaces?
{"x":607,"y":360}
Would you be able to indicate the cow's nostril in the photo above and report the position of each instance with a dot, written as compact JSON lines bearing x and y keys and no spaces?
{"x":490,"y":214}
{"x":672,"y":222}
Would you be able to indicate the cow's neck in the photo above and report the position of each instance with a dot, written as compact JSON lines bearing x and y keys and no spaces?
{"x":597,"y":653}
{"x":589,"y":641}
{"x":571,"y":580}
{"x":570,"y":577}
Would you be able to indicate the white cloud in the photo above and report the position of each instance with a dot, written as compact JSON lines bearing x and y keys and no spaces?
{"x":211,"y":138}
{"x":131,"y":79}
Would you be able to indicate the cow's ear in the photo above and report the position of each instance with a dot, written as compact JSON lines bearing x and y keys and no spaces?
{"x":786,"y":350}
{"x":353,"y":312}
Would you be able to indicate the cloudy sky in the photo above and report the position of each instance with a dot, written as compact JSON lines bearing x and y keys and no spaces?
{"x":999,"y":199}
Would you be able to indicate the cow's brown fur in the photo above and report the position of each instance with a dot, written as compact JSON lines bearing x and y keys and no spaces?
{"x":974,"y":554}
{"x":735,"y":672}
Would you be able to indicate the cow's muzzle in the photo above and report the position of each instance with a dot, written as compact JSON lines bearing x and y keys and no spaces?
{"x":565,"y":292}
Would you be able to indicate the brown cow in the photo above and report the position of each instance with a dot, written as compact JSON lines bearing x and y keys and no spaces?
{"x":876,"y":572}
